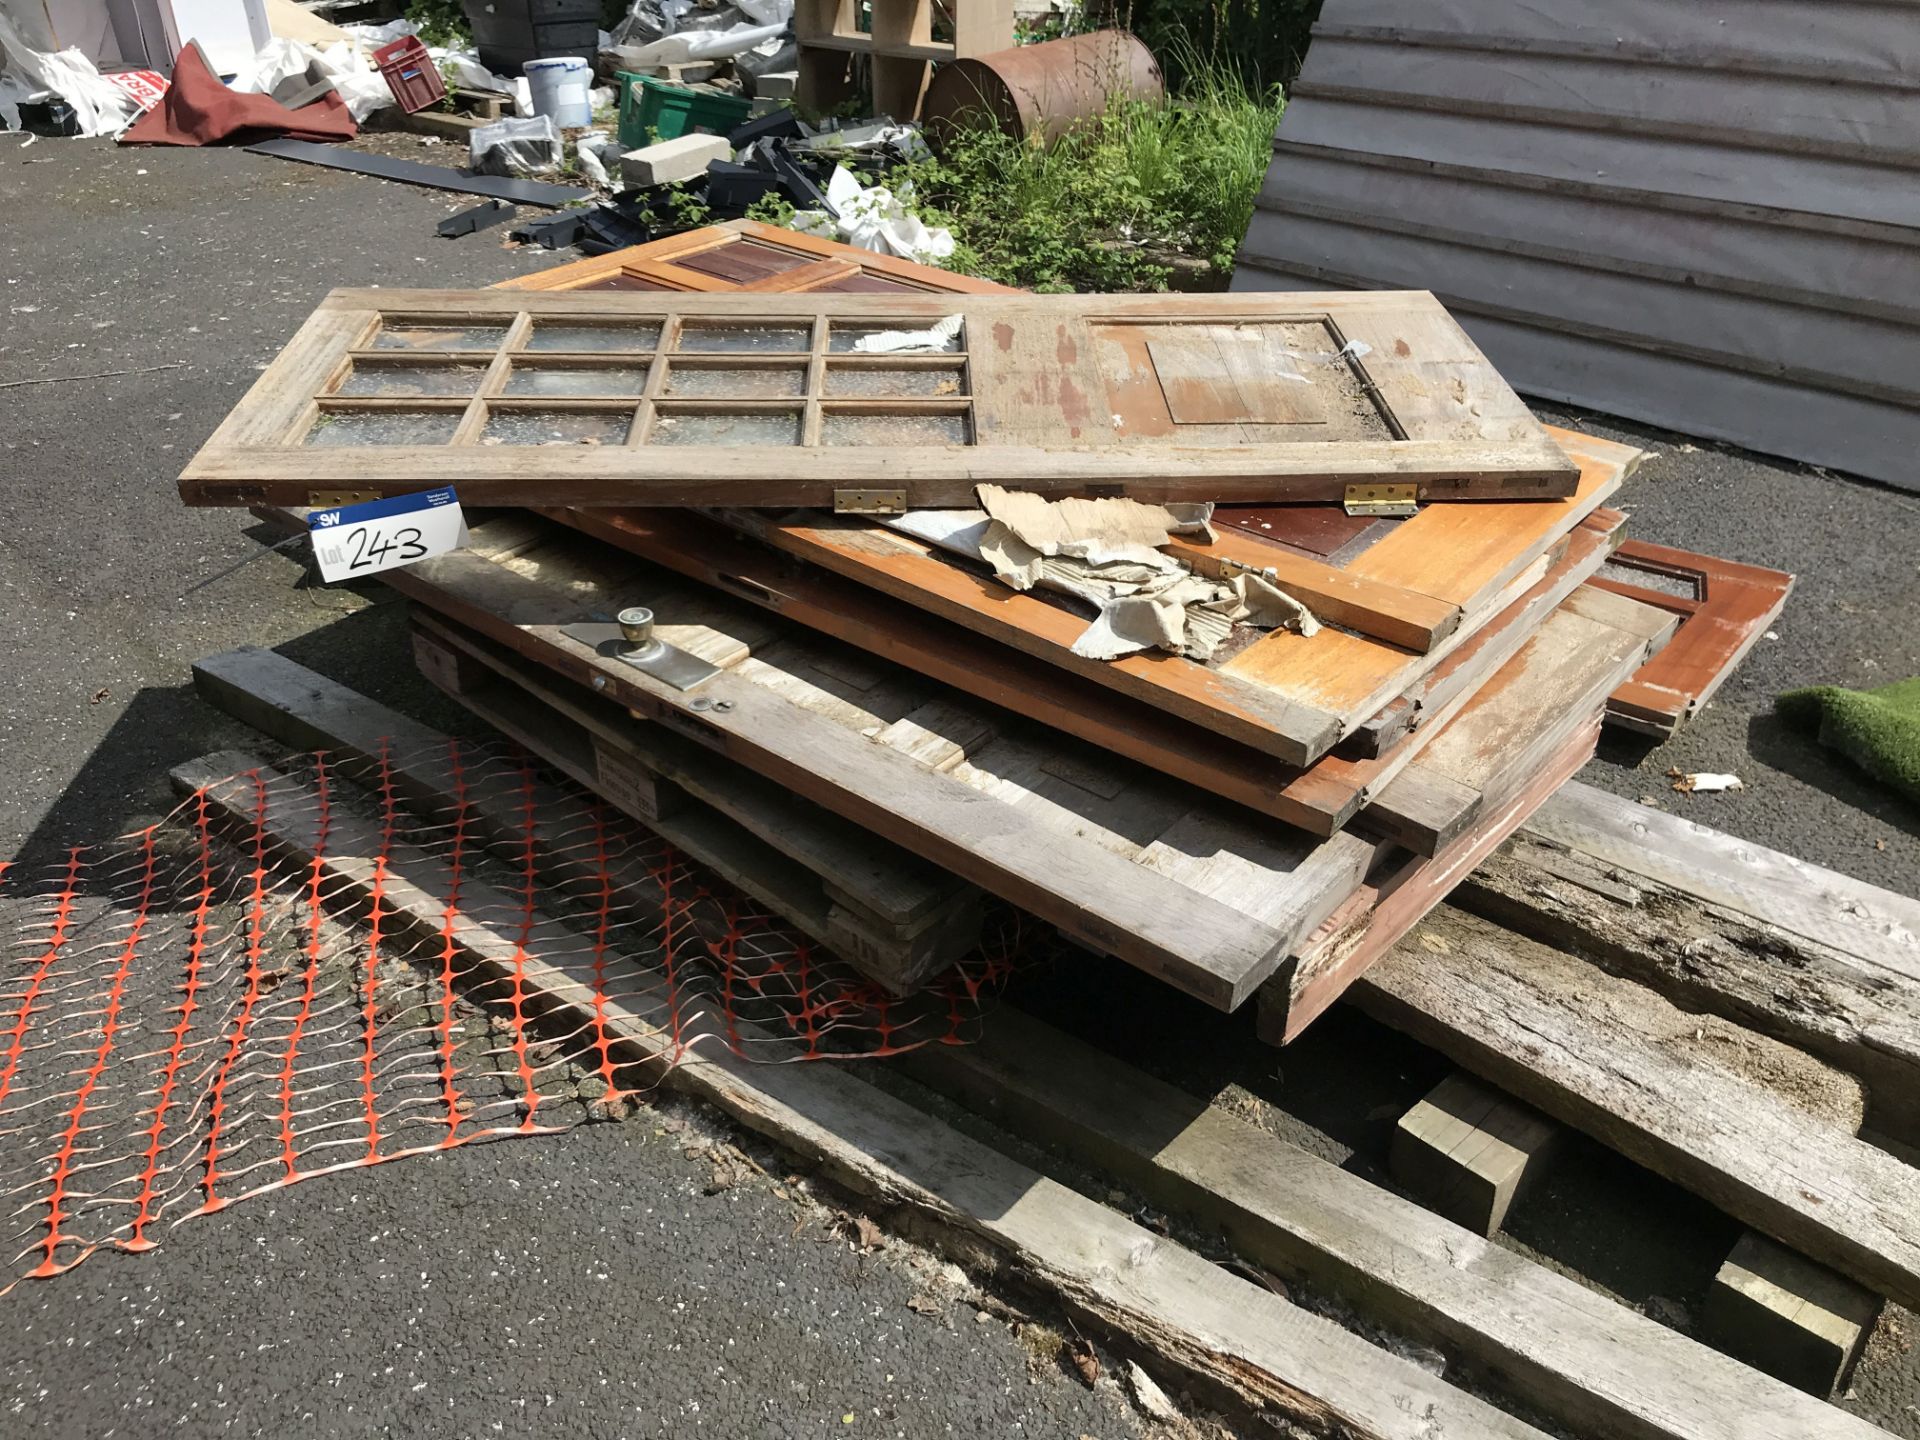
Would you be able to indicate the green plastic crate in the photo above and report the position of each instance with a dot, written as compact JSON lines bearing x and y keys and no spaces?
{"x":670,"y":111}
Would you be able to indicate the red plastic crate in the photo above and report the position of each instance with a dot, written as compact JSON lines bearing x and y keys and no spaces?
{"x":411,"y":74}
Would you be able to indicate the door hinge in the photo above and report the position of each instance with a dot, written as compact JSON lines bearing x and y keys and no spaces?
{"x":870,"y":502}
{"x":333,"y":499}
{"x":1379,"y":498}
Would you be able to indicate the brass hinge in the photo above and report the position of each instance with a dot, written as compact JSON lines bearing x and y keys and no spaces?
{"x":870,"y":502}
{"x":1377,"y":498}
{"x":331,"y":499}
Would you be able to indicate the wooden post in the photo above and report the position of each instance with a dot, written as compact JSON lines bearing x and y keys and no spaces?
{"x":1787,"y":1315}
{"x":1468,"y":1150}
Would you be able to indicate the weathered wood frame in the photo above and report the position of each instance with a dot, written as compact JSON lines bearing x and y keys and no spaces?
{"x":1730,"y":609}
{"x":819,"y":265}
{"x":1038,"y":418}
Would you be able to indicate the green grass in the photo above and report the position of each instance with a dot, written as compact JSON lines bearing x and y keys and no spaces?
{"x":1108,"y":206}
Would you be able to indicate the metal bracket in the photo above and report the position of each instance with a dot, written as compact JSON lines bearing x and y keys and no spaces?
{"x":870,"y":502}
{"x":632,"y":641}
{"x":331,"y":499}
{"x":1380,"y":498}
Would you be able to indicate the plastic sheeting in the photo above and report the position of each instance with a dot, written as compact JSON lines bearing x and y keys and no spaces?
{"x":875,"y":218}
{"x":29,"y":76}
{"x":349,"y":65}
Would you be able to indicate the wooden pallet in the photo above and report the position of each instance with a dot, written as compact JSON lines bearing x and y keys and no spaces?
{"x":895,"y":919}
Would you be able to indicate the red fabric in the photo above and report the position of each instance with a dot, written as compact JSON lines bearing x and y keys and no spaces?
{"x":199,"y":110}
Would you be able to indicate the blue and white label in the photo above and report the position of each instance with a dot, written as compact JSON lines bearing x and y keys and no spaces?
{"x":365,"y":539}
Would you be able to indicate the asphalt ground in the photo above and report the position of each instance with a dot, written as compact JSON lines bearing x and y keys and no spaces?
{"x":455,"y":1295}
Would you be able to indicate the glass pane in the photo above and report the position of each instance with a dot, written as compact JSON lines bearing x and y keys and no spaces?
{"x":758,"y":382}
{"x":447,"y":335}
{"x":576,"y":380}
{"x":556,"y":427}
{"x":886,"y":381}
{"x":708,"y":337}
{"x":383,"y":427}
{"x":778,"y":428}
{"x":845,"y":339}
{"x":948,"y":429}
{"x":403,"y":380}
{"x":563,"y":335}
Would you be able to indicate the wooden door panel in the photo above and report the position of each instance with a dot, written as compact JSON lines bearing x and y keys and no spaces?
{"x":1034,"y":402}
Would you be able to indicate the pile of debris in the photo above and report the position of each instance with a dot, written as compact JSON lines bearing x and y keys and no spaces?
{"x":774,"y":155}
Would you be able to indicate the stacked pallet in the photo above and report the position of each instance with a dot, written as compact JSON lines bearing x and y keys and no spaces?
{"x":873,"y":736}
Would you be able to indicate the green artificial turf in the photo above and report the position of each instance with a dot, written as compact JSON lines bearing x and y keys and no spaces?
{"x":1879,"y":730}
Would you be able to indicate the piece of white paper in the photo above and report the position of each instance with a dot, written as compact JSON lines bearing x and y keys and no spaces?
{"x":359,"y":540}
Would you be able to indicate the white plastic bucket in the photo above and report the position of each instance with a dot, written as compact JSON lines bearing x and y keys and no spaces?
{"x":559,"y":86}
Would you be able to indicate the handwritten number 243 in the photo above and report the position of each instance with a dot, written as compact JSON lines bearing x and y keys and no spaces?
{"x":372,"y":547}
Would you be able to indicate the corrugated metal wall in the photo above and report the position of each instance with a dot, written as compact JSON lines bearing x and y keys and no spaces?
{"x":1703,"y":214}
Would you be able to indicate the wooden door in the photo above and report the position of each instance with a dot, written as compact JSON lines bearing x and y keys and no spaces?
{"x":606,"y":398}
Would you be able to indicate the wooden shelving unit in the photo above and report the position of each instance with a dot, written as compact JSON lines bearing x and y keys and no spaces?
{"x":902,"y":41}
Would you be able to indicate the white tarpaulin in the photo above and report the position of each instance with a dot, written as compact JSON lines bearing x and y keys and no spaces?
{"x":29,"y":76}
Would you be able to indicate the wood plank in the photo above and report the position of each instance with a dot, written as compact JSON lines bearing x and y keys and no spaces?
{"x":1520,"y":713}
{"x":1225,"y":1334}
{"x":1580,"y":1358}
{"x":1877,"y":926}
{"x":1676,"y":1092}
{"x":1040,"y":413}
{"x":1466,"y":667}
{"x":1724,"y":927}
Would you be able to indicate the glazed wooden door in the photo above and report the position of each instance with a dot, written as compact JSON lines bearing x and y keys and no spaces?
{"x":799,"y":399}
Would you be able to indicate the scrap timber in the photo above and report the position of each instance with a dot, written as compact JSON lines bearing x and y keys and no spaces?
{"x":1203,"y":895}
{"x":1724,"y":927}
{"x":613,"y":398}
{"x":1664,"y":1087}
{"x":1588,"y":1363}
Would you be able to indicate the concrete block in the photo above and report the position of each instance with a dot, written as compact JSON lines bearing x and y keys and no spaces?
{"x":1468,"y":1151}
{"x":683,"y":158}
{"x":776,"y":85}
{"x":1787,"y":1315}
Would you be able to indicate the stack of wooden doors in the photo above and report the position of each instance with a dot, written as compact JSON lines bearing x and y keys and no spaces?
{"x":879,"y":740}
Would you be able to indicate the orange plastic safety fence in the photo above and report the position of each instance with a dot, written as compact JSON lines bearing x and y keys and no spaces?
{"x":318,"y":965}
